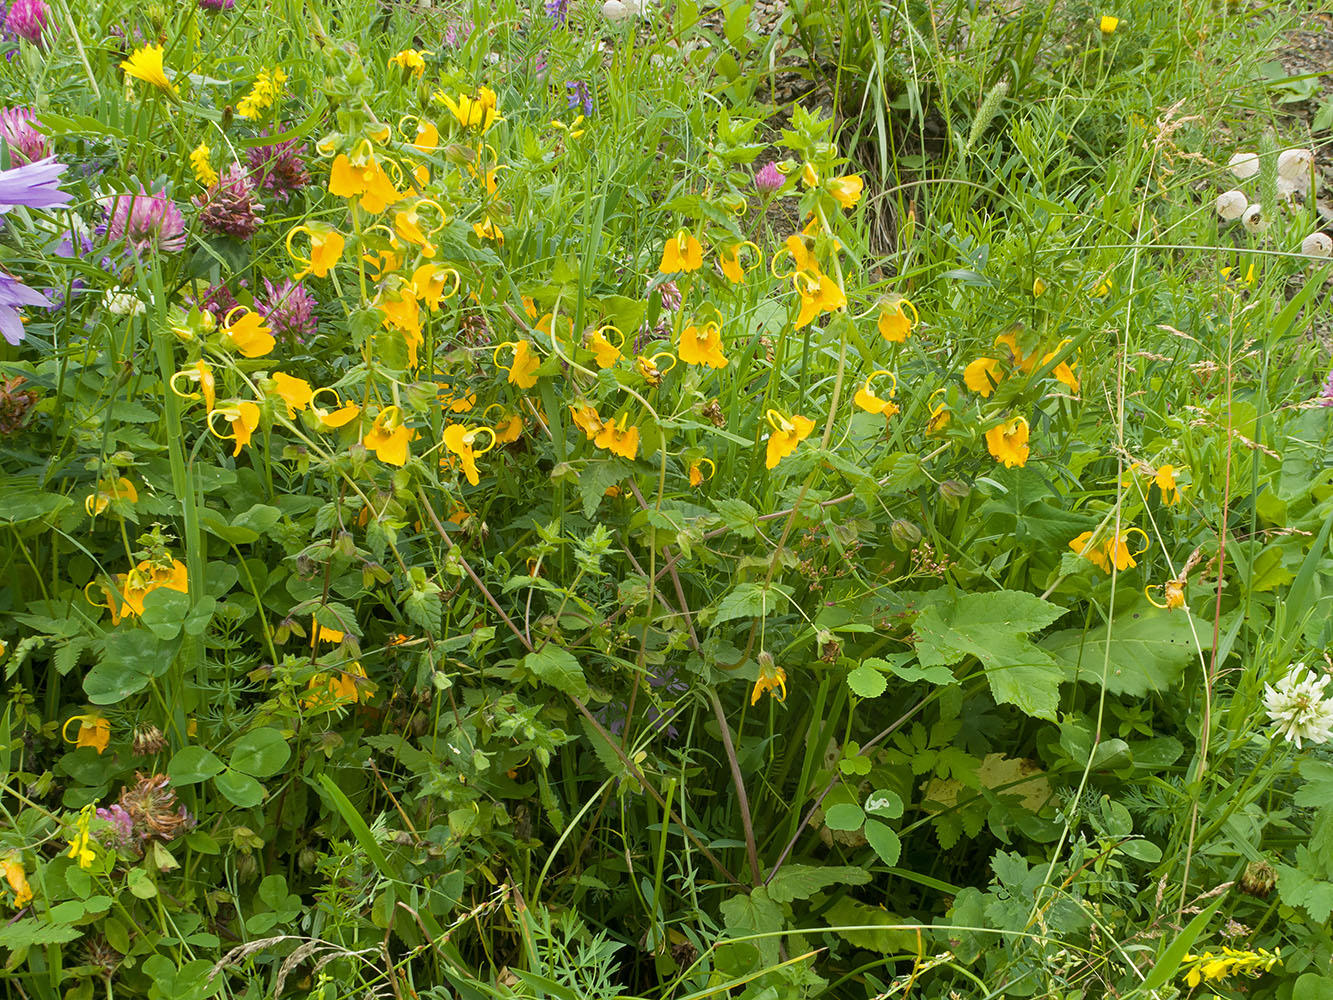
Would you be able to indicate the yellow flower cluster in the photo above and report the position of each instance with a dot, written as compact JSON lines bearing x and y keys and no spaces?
{"x":264,"y":94}
{"x":1232,"y":961}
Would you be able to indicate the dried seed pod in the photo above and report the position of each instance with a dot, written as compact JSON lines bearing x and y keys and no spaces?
{"x":1244,"y":165}
{"x":1317,"y":245}
{"x":1294,"y":163}
{"x":1253,"y":219}
{"x":1231,"y":205}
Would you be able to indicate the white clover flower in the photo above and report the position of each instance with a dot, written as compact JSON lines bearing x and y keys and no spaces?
{"x":1231,"y":205}
{"x":1244,"y":165}
{"x":122,"y":303}
{"x":1297,"y":707}
{"x":1293,"y":163}
{"x":1253,"y":218}
{"x":1317,"y":245}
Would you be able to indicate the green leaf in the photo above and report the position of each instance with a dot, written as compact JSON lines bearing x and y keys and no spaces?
{"x":596,"y":478}
{"x":558,"y":668}
{"x":885,"y":842}
{"x":130,"y":659}
{"x":849,"y":918}
{"x":1147,"y":650}
{"x":738,"y":515}
{"x":141,"y":884}
{"x":19,"y":507}
{"x":260,"y":753}
{"x":1169,"y":963}
{"x":240,"y":790}
{"x":190,"y":765}
{"x":1299,"y":886}
{"x":884,"y":803}
{"x":359,"y":828}
{"x":751,"y":600}
{"x":754,"y":913}
{"x":27,"y":933}
{"x":993,"y":627}
{"x":866,"y":682}
{"x":903,"y":665}
{"x":164,"y":612}
{"x":844,"y":816}
{"x":803,"y":881}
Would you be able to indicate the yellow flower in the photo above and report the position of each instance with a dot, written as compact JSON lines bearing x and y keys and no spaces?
{"x":411,"y":61}
{"x":785,"y":435}
{"x":940,"y":416}
{"x":508,"y":429}
{"x":772,"y":678}
{"x":347,"y":686}
{"x":488,"y":230}
{"x":402,"y":313}
{"x":339,"y":416}
{"x":1008,"y":442}
{"x":243,"y":418}
{"x":606,"y":353}
{"x":1096,"y":554}
{"x":809,"y":175}
{"x":364,"y":180}
{"x":1165,"y":478}
{"x":429,"y":282}
{"x":683,"y":252}
{"x":388,"y":437}
{"x":79,"y":848}
{"x":249,"y":335}
{"x":1024,"y":363}
{"x":146,"y":64}
{"x":125,"y":595}
{"x":818,"y":295}
{"x":203,"y":170}
{"x":867,"y":400}
{"x":729,"y":259}
{"x":696,"y":472}
{"x":107,"y":491}
{"x":983,"y":375}
{"x":326,"y":249}
{"x":648,"y":368}
{"x":523,"y":369}
{"x":17,"y":877}
{"x":201,"y":375}
{"x":894,"y":324}
{"x":847,"y":190}
{"x":454,"y":402}
{"x":572,"y":128}
{"x":94,"y":731}
{"x":473,"y":112}
{"x":1108,"y":24}
{"x":1117,"y":549}
{"x":319,"y":633}
{"x":295,"y":392}
{"x":267,"y":89}
{"x":1173,"y":593}
{"x":586,"y":419}
{"x":1103,"y":286}
{"x":702,"y":347}
{"x":407,"y":223}
{"x":617,"y":438}
{"x":1038,"y":288}
{"x":1063,"y":371}
{"x":458,"y":439}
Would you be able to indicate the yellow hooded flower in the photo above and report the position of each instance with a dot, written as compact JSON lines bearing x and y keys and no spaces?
{"x":1165,"y":478}
{"x":243,"y":418}
{"x":17,"y":877}
{"x":819,"y":294}
{"x":606,"y":353}
{"x":347,"y":686}
{"x":617,"y":438}
{"x":388,"y":437}
{"x":1096,"y":554}
{"x":866,"y":399}
{"x":410,"y":61}
{"x":364,"y":181}
{"x":696,"y":472}
{"x":339,"y":416}
{"x":249,"y":335}
{"x":459,"y":439}
{"x":894,"y":324}
{"x":326,"y":249}
{"x":202,"y":375}
{"x":683,"y":252}
{"x":983,"y":375}
{"x":785,"y":435}
{"x":523,"y":369}
{"x":107,"y":491}
{"x":772,"y":678}
{"x":431,"y":284}
{"x":702,"y":347}
{"x":1064,"y":371}
{"x":847,"y":190}
{"x":1008,"y":442}
{"x":586,"y":419}
{"x":295,"y":392}
{"x":94,"y":731}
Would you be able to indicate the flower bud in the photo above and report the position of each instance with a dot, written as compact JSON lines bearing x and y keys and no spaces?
{"x":765,"y":662}
{"x":1231,"y":205}
{"x":953,"y":491}
{"x":905,"y":534}
{"x":1258,"y":879}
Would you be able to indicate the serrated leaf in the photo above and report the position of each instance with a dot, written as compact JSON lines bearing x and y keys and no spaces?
{"x":751,"y":600}
{"x":754,"y":913}
{"x":993,"y":627}
{"x":738,"y":515}
{"x":558,"y":668}
{"x":596,"y":478}
{"x":1147,"y":648}
{"x":903,"y":665}
{"x":802,"y":881}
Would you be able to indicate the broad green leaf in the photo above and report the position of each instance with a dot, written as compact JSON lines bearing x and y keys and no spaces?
{"x":993,"y":627}
{"x":165,"y":611}
{"x":754,"y":913}
{"x":844,"y":816}
{"x":885,"y":842}
{"x":849,"y":918}
{"x":884,"y":803}
{"x":1146,"y":650}
{"x":130,"y":659}
{"x":190,"y":765}
{"x":558,"y":668}
{"x":239,"y":789}
{"x":903,"y":665}
{"x":1299,"y":885}
{"x":866,"y":682}
{"x":260,"y":753}
{"x":803,"y":881}
{"x":751,"y":600}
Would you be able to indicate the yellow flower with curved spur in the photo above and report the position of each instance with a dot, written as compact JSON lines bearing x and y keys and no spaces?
{"x":940,"y":416}
{"x":203,"y":170}
{"x":363,"y":181}
{"x":243,"y":418}
{"x":983,"y":375}
{"x":1009,"y":339}
{"x":408,"y":223}
{"x":650,"y":370}
{"x":295,"y":392}
{"x":508,"y":427}
{"x":847,"y":190}
{"x":729,"y":260}
{"x":94,"y":731}
{"x":79,"y":848}
{"x":249,"y":335}
{"x":1096,"y":554}
{"x":1117,"y":549}
{"x":346,"y":686}
{"x":341,"y":414}
{"x":867,"y":400}
{"x":606,"y":353}
{"x":431,"y":284}
{"x":587,"y":419}
{"x":772,"y":679}
{"x":486,"y":229}
{"x":388,"y":437}
{"x":480,"y":112}
{"x":200,"y":374}
{"x":809,"y":175}
{"x":326,"y":249}
{"x":146,"y":64}
{"x":411,"y":61}
{"x":1008,"y":442}
{"x":1064,"y":371}
{"x":894,"y":324}
{"x":403,"y":314}
{"x":702,"y":347}
{"x":1165,"y":478}
{"x":696,"y":472}
{"x":107,"y":491}
{"x":1173,"y":593}
{"x":523,"y":369}
{"x":17,"y":877}
{"x":785,"y":434}
{"x":618,"y":438}
{"x":819,"y":294}
{"x":459,"y":439}
{"x":683,"y":252}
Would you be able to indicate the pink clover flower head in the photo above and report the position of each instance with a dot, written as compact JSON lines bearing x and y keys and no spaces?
{"x":122,"y":824}
{"x":145,"y":221}
{"x":279,"y":168}
{"x":13,"y":294}
{"x":289,"y":310}
{"x":767,"y":179}
{"x":230,"y":205}
{"x":220,"y":300}
{"x":216,"y":4}
{"x":1326,"y":397}
{"x":33,"y":185}
{"x":27,"y":19}
{"x":18,"y":127}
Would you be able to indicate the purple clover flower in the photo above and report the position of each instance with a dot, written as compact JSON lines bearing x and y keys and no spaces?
{"x":230,"y":205}
{"x":579,"y":96}
{"x":767,"y":179}
{"x":145,"y":221}
{"x":216,"y":4}
{"x":14,"y":293}
{"x":18,"y":129}
{"x":121,"y":834}
{"x":289,"y":310}
{"x":457,"y":34}
{"x":27,"y":19}
{"x":220,"y":300}
{"x":278,"y":168}
{"x":33,"y":185}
